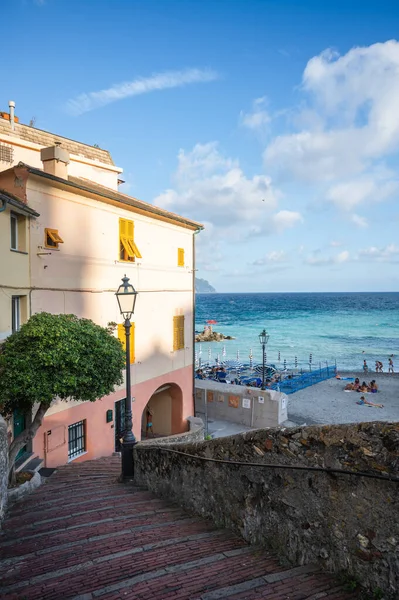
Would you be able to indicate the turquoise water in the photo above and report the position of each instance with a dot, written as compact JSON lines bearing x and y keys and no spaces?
{"x":346,"y":327}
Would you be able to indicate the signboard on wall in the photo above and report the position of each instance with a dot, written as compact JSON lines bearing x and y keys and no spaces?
{"x":220,"y":398}
{"x":209,"y":396}
{"x":261,"y":400}
{"x":246,"y":403}
{"x":234,"y":401}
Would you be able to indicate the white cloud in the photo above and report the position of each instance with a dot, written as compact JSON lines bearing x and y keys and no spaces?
{"x":258,"y":118}
{"x":276,"y":256}
{"x":349,"y":124}
{"x":359,"y":221}
{"x":389,"y":254}
{"x":285,"y":219}
{"x":142,"y":85}
{"x":207,"y":183}
{"x":316,"y":260}
{"x":335,"y":244}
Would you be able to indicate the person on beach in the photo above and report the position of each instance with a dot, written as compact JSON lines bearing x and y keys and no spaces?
{"x":377,"y":366}
{"x":365,"y":367}
{"x":368,"y":403}
{"x":373,"y":387}
{"x":364,"y":388}
{"x":390,"y":366}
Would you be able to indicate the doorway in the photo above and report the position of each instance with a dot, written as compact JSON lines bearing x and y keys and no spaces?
{"x":119,"y":423}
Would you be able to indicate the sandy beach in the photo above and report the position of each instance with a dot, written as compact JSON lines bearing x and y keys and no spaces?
{"x":327,"y":403}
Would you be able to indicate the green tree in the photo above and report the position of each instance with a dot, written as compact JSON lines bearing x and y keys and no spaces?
{"x":56,"y":356}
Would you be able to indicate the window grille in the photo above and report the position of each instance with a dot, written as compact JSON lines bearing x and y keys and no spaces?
{"x":6,"y":153}
{"x":76,"y":439}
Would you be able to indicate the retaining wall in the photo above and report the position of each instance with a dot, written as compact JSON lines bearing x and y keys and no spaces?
{"x":347,"y":523}
{"x":247,"y":406}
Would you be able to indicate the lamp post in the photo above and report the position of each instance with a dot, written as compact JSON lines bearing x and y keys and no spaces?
{"x":126,"y":296}
{"x":263,"y":339}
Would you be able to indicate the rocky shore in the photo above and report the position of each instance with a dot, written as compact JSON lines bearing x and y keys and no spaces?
{"x":212,"y":336}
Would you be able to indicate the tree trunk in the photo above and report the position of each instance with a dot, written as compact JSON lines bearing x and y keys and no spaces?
{"x":23,"y":438}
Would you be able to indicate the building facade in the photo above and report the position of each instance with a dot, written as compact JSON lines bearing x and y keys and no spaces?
{"x":83,"y":237}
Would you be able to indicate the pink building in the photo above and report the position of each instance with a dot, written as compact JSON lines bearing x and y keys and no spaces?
{"x":86,"y":238}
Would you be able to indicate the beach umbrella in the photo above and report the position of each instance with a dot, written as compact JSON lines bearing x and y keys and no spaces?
{"x":212,"y":322}
{"x":265,"y":357}
{"x":232,"y":364}
{"x":218,"y":359}
{"x":296,"y":362}
{"x":199,"y":362}
{"x":224,"y":351}
{"x":238,"y":355}
{"x":251,"y":360}
{"x":200,"y":350}
{"x":209,"y":355}
{"x":278,"y":356}
{"x":196,"y":358}
{"x":285,"y":364}
{"x":310,"y":358}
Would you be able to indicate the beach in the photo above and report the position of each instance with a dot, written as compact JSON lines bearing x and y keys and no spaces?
{"x":327,"y":403}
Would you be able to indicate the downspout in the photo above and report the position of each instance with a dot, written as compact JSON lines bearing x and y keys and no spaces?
{"x":193,"y":358}
{"x":11,"y":105}
{"x":3,"y":205}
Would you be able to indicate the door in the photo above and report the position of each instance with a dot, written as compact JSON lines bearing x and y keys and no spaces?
{"x":119,"y":423}
{"x":18,"y":427}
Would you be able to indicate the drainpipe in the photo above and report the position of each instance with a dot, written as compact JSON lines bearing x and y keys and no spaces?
{"x":3,"y":205}
{"x":193,"y":358}
{"x":11,"y":105}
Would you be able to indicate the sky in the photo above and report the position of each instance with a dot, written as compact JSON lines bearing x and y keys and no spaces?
{"x":275,"y":123}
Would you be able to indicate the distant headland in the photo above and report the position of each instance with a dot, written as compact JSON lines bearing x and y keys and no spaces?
{"x":202,"y":286}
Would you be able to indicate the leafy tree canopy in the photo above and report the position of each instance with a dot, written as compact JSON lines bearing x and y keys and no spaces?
{"x":58,"y":356}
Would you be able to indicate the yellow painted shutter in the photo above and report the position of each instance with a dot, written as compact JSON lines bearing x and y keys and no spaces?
{"x":180,"y":257}
{"x":175,"y":333}
{"x":181,"y":333}
{"x":130,"y":230}
{"x":122,"y":339}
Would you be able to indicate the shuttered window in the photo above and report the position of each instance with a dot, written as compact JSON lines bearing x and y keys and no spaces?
{"x":122,"y":339}
{"x":178,"y":333}
{"x":127,"y":247}
{"x":180,"y":257}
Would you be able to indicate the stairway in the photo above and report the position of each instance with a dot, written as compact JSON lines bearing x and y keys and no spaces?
{"x":83,"y":536}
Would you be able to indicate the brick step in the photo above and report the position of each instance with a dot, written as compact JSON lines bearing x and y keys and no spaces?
{"x":75,"y":538}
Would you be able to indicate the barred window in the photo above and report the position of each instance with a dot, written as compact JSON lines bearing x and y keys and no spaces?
{"x":76,"y":439}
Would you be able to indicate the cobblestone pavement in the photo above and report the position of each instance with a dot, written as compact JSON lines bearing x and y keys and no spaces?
{"x":84,"y":536}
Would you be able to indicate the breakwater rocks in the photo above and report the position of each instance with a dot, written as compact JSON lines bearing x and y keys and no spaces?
{"x":212,"y":336}
{"x":344,"y":522}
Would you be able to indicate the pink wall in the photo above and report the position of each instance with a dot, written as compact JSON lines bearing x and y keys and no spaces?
{"x":100,"y":436}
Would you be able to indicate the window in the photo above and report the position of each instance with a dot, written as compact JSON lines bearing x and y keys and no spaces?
{"x":14,"y":231}
{"x":127,"y":247}
{"x":15,"y":313}
{"x":178,"y":333}
{"x":76,"y":439}
{"x":122,"y":339}
{"x":180,"y":257}
{"x":52,"y":238}
{"x":17,"y":232}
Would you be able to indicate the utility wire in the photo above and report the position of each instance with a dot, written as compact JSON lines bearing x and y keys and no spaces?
{"x":273,"y":466}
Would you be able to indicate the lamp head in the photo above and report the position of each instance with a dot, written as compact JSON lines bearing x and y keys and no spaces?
{"x":126,"y":296}
{"x":263,"y":337}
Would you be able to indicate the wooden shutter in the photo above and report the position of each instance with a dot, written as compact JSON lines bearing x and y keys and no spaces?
{"x":181,"y":333}
{"x":122,"y":339}
{"x":180,"y":257}
{"x":178,"y":333}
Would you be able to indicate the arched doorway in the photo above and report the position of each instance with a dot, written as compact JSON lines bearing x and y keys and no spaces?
{"x":166,"y":412}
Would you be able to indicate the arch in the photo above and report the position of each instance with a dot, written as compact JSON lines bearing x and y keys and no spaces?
{"x":166,"y":405}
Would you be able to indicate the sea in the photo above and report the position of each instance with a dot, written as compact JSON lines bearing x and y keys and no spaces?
{"x":315,"y":328}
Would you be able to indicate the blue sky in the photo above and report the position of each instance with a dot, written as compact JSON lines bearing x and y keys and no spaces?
{"x":275,"y":123}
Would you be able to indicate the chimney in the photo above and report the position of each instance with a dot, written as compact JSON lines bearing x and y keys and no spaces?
{"x":55,"y":160}
{"x":11,"y":105}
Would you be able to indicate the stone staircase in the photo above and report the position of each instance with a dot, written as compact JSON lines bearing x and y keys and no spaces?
{"x":84,"y":536}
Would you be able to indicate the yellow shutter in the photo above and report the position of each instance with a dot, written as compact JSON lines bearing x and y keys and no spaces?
{"x":122,"y":339}
{"x":178,"y":333}
{"x":127,"y":248}
{"x":180,"y":257}
{"x":181,"y":333}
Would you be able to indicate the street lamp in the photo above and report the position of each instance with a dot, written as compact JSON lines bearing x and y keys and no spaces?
{"x":126,"y":296}
{"x":263,"y":339}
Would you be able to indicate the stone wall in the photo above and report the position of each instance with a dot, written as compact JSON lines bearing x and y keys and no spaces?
{"x":3,"y":468}
{"x":195,"y":434}
{"x":347,"y":523}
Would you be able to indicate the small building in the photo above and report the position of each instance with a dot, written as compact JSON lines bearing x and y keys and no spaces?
{"x":82,"y":236}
